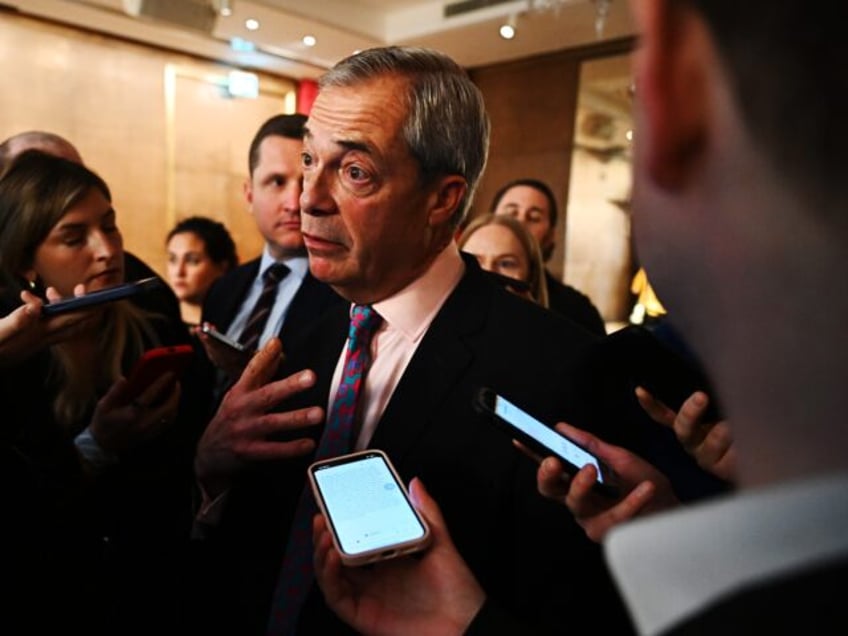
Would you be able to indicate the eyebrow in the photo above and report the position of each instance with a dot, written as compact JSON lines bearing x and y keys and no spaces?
{"x":347,"y":144}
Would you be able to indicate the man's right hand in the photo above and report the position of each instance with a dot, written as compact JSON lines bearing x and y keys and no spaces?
{"x":242,"y":431}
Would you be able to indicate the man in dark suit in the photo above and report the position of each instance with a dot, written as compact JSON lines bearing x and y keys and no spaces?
{"x":386,"y":182}
{"x":533,"y":203}
{"x":743,"y":229}
{"x":272,"y":191}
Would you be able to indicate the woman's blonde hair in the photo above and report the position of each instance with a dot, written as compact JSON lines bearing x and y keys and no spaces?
{"x":536,"y":266}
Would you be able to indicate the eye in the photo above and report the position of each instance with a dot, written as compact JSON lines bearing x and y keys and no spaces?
{"x":356,"y":173}
{"x":508,"y":264}
{"x":305,"y":159}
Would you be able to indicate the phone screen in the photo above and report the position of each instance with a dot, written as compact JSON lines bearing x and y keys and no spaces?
{"x":366,"y":506}
{"x":546,"y":436}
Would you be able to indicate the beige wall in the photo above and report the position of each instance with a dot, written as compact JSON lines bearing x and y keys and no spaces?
{"x":156,"y":125}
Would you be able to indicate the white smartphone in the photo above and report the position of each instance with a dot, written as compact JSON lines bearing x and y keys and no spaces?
{"x":367,"y":508}
{"x":542,"y":439}
{"x":220,"y":337}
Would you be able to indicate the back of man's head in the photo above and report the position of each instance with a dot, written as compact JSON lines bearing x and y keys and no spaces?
{"x":784,"y":60}
{"x":46,"y":142}
{"x":288,"y":126}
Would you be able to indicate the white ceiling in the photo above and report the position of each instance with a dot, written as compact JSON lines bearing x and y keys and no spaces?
{"x":344,"y":26}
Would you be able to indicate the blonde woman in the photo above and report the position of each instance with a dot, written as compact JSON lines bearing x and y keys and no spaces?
{"x":504,"y":246}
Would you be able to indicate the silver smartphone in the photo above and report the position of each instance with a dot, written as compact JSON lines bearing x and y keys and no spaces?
{"x":220,"y":337}
{"x":367,"y":508}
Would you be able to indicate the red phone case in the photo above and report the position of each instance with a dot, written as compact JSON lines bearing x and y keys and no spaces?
{"x":154,"y":364}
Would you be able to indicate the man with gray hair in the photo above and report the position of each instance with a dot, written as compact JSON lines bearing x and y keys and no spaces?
{"x":394,"y":147}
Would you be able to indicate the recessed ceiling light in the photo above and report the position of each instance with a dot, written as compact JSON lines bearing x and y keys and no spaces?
{"x":309,"y":40}
{"x":251,"y":24}
{"x":507,"y":31}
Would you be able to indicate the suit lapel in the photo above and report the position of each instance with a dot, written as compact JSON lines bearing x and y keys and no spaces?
{"x":442,"y":357}
{"x":231,"y":290}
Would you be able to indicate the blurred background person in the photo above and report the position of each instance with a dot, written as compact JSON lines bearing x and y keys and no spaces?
{"x":533,"y":203}
{"x":504,"y":246}
{"x":200,"y":250}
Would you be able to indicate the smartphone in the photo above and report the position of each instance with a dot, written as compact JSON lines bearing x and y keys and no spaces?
{"x":153,"y":364}
{"x":367,"y":508}
{"x":543,"y":439}
{"x":101,"y":296}
{"x":220,"y":337}
{"x":662,"y":365}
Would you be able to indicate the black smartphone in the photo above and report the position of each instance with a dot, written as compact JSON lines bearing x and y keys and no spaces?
{"x":118,"y":292}
{"x":220,"y":337}
{"x":662,"y":364}
{"x":367,"y":508}
{"x":543,"y":439}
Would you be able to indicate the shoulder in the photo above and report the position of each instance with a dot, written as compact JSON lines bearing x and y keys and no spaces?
{"x":574,"y":305}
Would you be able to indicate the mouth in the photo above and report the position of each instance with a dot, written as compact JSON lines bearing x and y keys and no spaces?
{"x":318,"y":245}
{"x":107,"y":278}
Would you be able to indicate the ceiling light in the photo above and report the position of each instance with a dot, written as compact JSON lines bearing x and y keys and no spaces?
{"x":507,"y":30}
{"x":309,"y":40}
{"x":251,"y":24}
{"x":223,"y":7}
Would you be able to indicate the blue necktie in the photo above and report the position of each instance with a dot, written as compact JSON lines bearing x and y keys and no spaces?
{"x":296,"y":574}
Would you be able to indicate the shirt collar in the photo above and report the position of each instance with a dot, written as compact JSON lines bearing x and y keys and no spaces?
{"x":670,"y":566}
{"x":298,"y":265}
{"x":412,"y":309}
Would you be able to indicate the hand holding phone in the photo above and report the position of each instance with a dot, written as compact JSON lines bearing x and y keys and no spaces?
{"x":542,"y":439}
{"x":367,"y":508}
{"x":155,"y":363}
{"x":101,"y":296}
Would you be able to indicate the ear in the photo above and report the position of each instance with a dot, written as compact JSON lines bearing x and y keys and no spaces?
{"x":446,"y":198}
{"x":673,"y":87}
{"x":247,"y":188}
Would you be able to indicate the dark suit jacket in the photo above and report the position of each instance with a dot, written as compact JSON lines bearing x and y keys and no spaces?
{"x":807,"y":602}
{"x":526,"y":551}
{"x":568,"y":302}
{"x":227,"y":294}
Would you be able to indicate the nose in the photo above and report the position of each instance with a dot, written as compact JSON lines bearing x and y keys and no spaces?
{"x":316,"y":199}
{"x":106,"y":247}
{"x":291,"y":197}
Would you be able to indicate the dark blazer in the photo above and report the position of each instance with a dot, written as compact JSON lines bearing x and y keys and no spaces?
{"x":526,"y":551}
{"x":810,"y":601}
{"x":227,"y":294}
{"x":574,"y":305}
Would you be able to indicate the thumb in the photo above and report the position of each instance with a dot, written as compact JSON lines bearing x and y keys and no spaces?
{"x":429,"y":508}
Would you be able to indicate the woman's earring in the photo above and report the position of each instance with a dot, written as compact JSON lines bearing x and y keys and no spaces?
{"x":31,"y":284}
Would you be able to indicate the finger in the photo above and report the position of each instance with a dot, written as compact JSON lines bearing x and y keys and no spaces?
{"x":270,"y":424}
{"x":430,"y":509}
{"x":626,"y":509}
{"x":262,"y":366}
{"x":580,"y":497}
{"x":270,"y":395}
{"x":588,"y":441}
{"x":531,"y":454}
{"x":655,"y":409}
{"x":551,"y":480}
{"x":688,"y":423}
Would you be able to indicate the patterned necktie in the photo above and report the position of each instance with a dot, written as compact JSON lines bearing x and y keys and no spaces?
{"x":262,"y":309}
{"x":296,"y":573}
